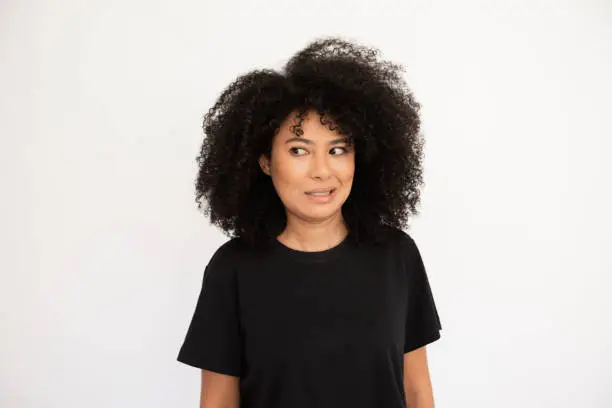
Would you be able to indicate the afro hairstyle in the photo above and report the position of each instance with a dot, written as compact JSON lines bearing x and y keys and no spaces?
{"x":365,"y":98}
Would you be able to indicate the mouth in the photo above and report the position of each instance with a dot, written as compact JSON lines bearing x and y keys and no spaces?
{"x":321,"y":192}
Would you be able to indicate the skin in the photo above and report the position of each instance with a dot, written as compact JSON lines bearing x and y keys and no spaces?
{"x":319,"y":158}
{"x":219,"y":390}
{"x":417,"y":381}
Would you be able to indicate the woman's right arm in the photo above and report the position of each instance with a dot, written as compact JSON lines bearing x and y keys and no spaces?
{"x":219,"y":390}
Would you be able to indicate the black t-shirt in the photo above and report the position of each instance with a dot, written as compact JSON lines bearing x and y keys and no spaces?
{"x":313,"y":329}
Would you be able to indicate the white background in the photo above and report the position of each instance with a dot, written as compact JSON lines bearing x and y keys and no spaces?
{"x":103,"y":247}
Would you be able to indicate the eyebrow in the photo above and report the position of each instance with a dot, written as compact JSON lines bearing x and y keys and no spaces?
{"x":308,"y":141}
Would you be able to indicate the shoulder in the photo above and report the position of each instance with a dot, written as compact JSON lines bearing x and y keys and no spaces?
{"x":402,"y":245}
{"x":397,"y":238}
{"x":230,"y":248}
{"x":227,"y":255}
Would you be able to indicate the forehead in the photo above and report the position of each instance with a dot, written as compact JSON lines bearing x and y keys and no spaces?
{"x":308,"y":124}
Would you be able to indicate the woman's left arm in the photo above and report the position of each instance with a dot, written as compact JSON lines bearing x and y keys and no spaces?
{"x":417,"y":383}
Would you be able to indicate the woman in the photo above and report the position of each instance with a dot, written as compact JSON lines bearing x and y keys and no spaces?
{"x":319,"y":299}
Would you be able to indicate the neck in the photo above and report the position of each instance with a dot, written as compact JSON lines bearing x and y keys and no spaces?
{"x":304,"y":235}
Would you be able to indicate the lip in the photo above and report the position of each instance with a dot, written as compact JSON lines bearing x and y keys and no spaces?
{"x":321,"y":199}
{"x":321,"y":190}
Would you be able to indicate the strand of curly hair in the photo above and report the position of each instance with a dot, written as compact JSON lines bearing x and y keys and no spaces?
{"x":357,"y":94}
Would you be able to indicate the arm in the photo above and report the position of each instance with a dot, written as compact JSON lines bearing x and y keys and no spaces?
{"x":417,"y":383}
{"x":219,"y":390}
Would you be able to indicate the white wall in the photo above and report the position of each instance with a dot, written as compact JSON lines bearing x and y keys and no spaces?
{"x":103,"y":248}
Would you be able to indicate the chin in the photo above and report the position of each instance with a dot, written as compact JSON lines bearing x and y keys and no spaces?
{"x":321,"y":213}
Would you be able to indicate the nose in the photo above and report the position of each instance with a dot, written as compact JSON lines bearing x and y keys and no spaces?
{"x":319,"y":166}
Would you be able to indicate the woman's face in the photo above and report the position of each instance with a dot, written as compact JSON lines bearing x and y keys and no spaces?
{"x":312,"y":173}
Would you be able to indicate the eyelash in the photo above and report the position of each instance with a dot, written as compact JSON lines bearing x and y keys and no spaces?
{"x":293,"y":150}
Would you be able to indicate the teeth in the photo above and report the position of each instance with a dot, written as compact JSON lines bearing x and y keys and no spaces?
{"x":321,"y":194}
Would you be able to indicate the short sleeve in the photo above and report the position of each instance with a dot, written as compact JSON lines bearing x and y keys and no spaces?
{"x":422,"y":320}
{"x":213,"y":339}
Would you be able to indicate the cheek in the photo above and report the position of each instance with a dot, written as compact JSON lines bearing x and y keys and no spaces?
{"x":291,"y":170}
{"x":345,"y":169}
{"x":288,"y":175}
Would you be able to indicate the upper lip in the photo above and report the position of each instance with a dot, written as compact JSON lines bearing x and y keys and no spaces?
{"x":321,"y":190}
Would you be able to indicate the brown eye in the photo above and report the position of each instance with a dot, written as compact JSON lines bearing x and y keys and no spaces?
{"x":342,"y":150}
{"x":297,"y":151}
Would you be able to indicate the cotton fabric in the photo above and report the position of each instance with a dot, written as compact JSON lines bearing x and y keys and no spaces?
{"x":324,"y":329}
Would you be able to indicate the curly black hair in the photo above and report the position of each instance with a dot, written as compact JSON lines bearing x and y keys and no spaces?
{"x":366,"y":98}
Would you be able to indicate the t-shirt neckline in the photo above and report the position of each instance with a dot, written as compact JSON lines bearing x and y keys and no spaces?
{"x":311,"y":256}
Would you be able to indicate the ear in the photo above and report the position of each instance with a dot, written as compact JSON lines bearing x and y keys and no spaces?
{"x":264,"y":163}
